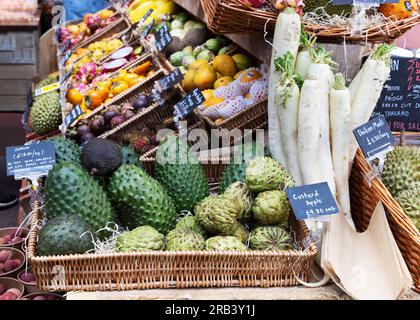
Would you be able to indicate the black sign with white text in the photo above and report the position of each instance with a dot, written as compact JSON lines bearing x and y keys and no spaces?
{"x":163,"y":38}
{"x":171,"y":79}
{"x":189,"y":103}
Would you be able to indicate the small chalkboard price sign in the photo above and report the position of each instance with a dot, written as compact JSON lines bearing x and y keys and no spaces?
{"x":171,"y":79}
{"x":400,"y":98}
{"x":66,"y":57}
{"x":312,"y":201}
{"x":189,"y":103}
{"x":67,"y":75}
{"x":374,"y":137}
{"x":163,"y":38}
{"x":148,"y":29}
{"x":73,"y":115}
{"x":30,"y":160}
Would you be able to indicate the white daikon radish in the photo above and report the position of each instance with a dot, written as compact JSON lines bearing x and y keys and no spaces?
{"x":286,"y":39}
{"x":309,"y":132}
{"x":354,"y":85}
{"x":340,"y":116}
{"x":304,"y":60}
{"x":373,"y":76}
{"x":287,"y":106}
{"x":321,"y":71}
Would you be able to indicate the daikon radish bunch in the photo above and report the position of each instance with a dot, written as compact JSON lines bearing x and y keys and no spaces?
{"x":304,"y":60}
{"x":287,"y":106}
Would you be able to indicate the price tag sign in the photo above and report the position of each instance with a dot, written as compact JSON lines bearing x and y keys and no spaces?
{"x":171,"y":79}
{"x":189,"y":103}
{"x":374,"y":137}
{"x":46,"y":89}
{"x":67,"y":75}
{"x":312,"y":202}
{"x":65,"y":46}
{"x":148,"y":29}
{"x":147,"y":15}
{"x":66,"y":57}
{"x":30,"y":160}
{"x":73,"y":115}
{"x":163,"y":38}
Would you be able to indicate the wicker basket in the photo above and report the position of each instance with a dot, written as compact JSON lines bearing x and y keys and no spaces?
{"x":232,"y":16}
{"x":160,"y":269}
{"x":364,"y":200}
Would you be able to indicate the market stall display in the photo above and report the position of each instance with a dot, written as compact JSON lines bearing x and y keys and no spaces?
{"x":131,"y":202}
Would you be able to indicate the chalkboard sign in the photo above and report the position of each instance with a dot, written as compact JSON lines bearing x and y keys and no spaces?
{"x":66,"y":45}
{"x":147,"y":15}
{"x":312,"y":201}
{"x":163,"y":38}
{"x":373,"y":2}
{"x":148,"y":29}
{"x":66,"y":57}
{"x":189,"y":103}
{"x":171,"y":79}
{"x":400,"y":98}
{"x":67,"y":75}
{"x":374,"y":137}
{"x":73,"y":115}
{"x":29,"y":160}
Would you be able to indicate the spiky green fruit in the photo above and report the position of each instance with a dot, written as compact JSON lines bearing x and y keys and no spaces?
{"x":190,"y":222}
{"x":232,"y":173}
{"x":65,"y":149}
{"x":47,"y":81}
{"x":264,"y":174}
{"x":69,"y":189}
{"x":240,"y":231}
{"x":270,"y":238}
{"x":225,"y":244}
{"x":401,"y":169}
{"x":181,"y":174}
{"x":219,"y":214}
{"x":271,"y":208}
{"x":130,"y":156}
{"x":140,"y":200}
{"x":143,"y":238}
{"x":409,"y":200}
{"x":242,"y":193}
{"x":65,"y":234}
{"x":184,"y":239}
{"x":45,"y":115}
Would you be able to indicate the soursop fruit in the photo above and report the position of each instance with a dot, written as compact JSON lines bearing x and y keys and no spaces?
{"x":232,"y":173}
{"x":65,"y":234}
{"x":401,"y":169}
{"x":130,"y":156}
{"x":65,"y":150}
{"x":69,"y":189}
{"x":143,"y":238}
{"x":225,"y":244}
{"x":181,"y":174}
{"x":101,"y":157}
{"x":45,"y":115}
{"x":271,"y":208}
{"x":270,"y":238}
{"x":190,"y":222}
{"x":140,"y":200}
{"x":184,"y":239}
{"x":409,"y":200}
{"x":265,"y":174}
{"x":219,"y":214}
{"x":242,"y":193}
{"x":240,"y":231}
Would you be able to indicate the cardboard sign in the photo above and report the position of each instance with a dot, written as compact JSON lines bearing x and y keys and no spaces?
{"x":374,"y":137}
{"x":163,"y":38}
{"x":30,"y":160}
{"x":189,"y":103}
{"x":148,"y":29}
{"x":373,"y":2}
{"x":171,"y":79}
{"x":312,"y":201}
{"x":46,"y":89}
{"x":73,"y":115}
{"x":400,"y":98}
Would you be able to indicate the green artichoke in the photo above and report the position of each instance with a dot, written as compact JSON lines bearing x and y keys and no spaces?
{"x":265,"y":174}
{"x":143,"y":238}
{"x":270,"y":238}
{"x":271,"y":208}
{"x":225,"y":244}
{"x":184,"y":239}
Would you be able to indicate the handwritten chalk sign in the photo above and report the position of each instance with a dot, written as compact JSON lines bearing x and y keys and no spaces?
{"x":163,"y":38}
{"x":189,"y":103}
{"x":147,"y":30}
{"x":171,"y":79}
{"x":73,"y":115}
{"x":67,"y":75}
{"x":400,"y":98}
{"x":374,"y":137}
{"x":66,"y":57}
{"x":312,"y":201}
{"x":30,"y":160}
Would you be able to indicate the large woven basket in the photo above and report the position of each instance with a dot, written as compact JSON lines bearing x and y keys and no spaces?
{"x":364,"y":200}
{"x":187,"y":269}
{"x":232,"y":16}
